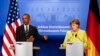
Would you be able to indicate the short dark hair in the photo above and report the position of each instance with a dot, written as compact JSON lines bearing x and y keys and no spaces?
{"x":76,"y":21}
{"x":26,"y":15}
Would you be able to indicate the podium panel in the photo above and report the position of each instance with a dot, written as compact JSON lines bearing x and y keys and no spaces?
{"x":23,"y":49}
{"x":74,"y":49}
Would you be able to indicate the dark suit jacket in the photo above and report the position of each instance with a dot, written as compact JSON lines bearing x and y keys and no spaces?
{"x":20,"y":33}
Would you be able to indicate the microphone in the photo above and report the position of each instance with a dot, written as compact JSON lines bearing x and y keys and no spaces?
{"x":75,"y":35}
{"x":80,"y":39}
{"x":70,"y":43}
{"x":70,"y":37}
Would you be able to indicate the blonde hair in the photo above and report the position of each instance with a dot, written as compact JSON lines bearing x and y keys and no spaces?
{"x":75,"y":21}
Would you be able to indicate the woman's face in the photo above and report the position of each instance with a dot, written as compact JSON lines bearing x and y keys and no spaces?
{"x":74,"y":26}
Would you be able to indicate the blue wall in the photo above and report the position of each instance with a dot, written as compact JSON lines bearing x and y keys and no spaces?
{"x":49,"y":12}
{"x":4,"y":6}
{"x":55,"y":13}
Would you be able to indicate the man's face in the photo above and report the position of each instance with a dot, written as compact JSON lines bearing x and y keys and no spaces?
{"x":26,"y":19}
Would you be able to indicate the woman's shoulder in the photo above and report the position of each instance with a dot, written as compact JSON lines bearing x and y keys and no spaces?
{"x":69,"y":31}
{"x":80,"y":31}
{"x":83,"y":31}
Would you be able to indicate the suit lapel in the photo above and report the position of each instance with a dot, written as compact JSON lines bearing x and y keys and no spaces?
{"x":30,"y":29}
{"x":23,"y":30}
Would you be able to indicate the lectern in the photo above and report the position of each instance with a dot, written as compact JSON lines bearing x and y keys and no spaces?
{"x":23,"y":49}
{"x":74,"y":49}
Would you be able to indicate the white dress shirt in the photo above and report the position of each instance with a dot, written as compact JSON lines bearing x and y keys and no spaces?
{"x":25,"y":27}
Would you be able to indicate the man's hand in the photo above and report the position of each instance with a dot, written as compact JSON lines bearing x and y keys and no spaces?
{"x":45,"y":37}
{"x":30,"y":39}
{"x":12,"y":47}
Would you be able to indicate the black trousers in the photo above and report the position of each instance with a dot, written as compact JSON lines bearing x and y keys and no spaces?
{"x":84,"y":54}
{"x":34,"y":53}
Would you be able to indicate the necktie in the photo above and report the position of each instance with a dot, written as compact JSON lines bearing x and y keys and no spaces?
{"x":26,"y":30}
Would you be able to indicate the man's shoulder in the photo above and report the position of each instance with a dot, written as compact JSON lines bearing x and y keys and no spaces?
{"x":19,"y":27}
{"x":34,"y":27}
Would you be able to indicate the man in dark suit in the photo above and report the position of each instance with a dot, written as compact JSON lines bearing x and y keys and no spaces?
{"x":27,"y":32}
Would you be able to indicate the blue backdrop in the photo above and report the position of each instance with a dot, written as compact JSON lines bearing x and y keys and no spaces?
{"x":52,"y":17}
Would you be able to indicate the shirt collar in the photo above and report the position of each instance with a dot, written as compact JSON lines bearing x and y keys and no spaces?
{"x":25,"y":26}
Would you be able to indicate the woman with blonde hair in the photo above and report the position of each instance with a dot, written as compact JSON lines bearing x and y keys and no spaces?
{"x":75,"y":34}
